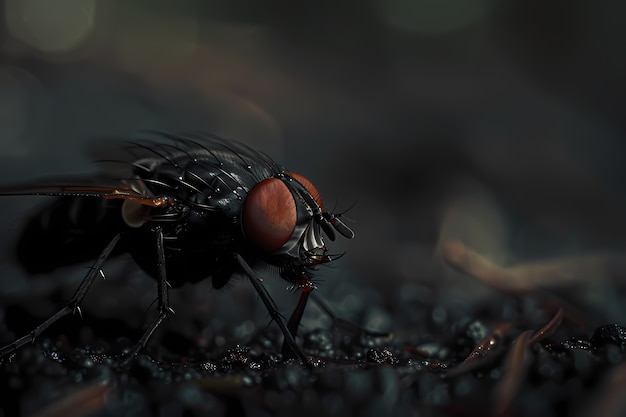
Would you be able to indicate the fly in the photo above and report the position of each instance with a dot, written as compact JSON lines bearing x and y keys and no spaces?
{"x":192,"y":209}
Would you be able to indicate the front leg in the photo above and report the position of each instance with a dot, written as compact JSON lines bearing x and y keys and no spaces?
{"x":296,"y":318}
{"x":274,"y":313}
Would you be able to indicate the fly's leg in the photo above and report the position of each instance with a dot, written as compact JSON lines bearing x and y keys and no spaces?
{"x":72,"y":306}
{"x":163,"y":299}
{"x":345,"y":324}
{"x":296,"y":317}
{"x":294,"y":320}
{"x":273,"y":311}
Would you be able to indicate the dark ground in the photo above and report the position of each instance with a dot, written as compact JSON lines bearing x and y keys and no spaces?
{"x":439,"y":362}
{"x":496,"y":123}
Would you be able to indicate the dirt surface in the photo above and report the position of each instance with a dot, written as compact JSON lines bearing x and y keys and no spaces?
{"x":511,"y":355}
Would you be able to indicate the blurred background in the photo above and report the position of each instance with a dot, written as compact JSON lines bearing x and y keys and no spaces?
{"x":498,"y":123}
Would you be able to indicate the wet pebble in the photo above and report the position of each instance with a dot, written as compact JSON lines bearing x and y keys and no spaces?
{"x":381,"y":355}
{"x":477,"y":331}
{"x":319,"y":342}
{"x":613,"y":334}
{"x":235,"y":358}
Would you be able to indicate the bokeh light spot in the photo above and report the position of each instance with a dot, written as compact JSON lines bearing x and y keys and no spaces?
{"x":50,"y":26}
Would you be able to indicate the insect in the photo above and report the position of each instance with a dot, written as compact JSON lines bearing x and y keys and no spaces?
{"x":197,"y":207}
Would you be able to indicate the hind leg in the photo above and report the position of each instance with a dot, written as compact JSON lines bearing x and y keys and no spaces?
{"x":72,"y":306}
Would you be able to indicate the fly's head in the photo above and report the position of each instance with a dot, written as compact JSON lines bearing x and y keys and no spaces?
{"x":283,"y":217}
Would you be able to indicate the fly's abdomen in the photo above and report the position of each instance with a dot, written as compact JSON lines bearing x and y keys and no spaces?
{"x":68,"y":231}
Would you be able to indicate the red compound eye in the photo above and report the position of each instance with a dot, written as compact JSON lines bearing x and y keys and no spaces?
{"x":309,"y":187}
{"x":269,"y":214}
